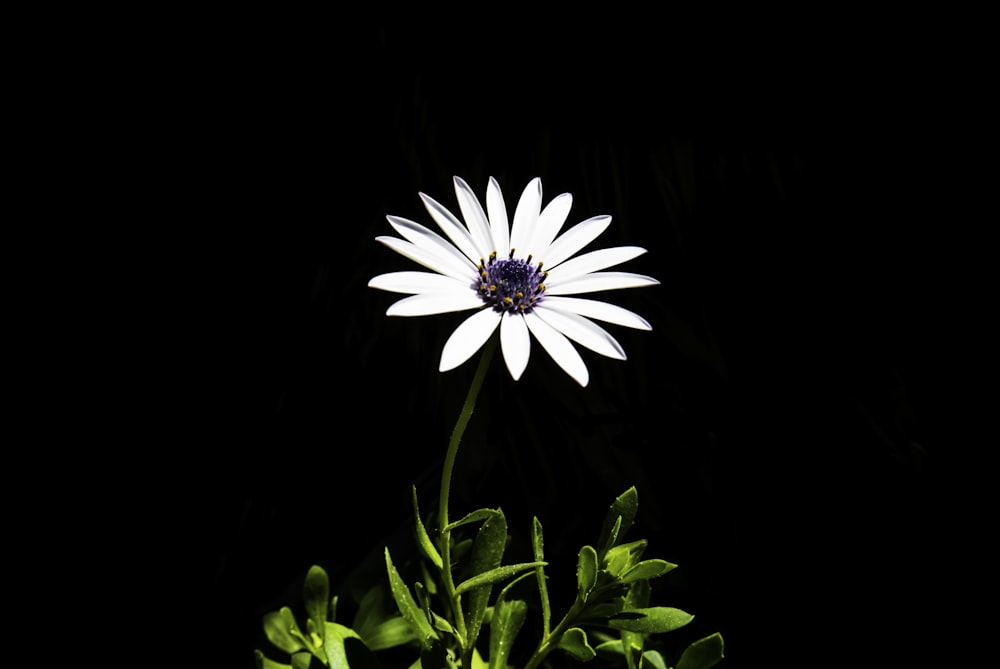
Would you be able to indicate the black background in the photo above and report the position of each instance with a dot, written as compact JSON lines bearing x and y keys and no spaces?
{"x":791,"y":422}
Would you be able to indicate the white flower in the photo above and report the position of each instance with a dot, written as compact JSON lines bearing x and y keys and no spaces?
{"x":497,"y":271}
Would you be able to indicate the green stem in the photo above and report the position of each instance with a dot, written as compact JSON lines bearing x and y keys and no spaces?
{"x":551,"y":640}
{"x":449,"y":466}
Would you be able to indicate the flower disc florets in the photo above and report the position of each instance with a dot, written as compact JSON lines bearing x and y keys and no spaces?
{"x":513,"y":284}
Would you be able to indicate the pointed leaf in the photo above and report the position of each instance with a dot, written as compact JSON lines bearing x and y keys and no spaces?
{"x":495,"y":575}
{"x":537,"y":540}
{"x":424,"y":542}
{"x":645,"y":570}
{"x":574,"y":642}
{"x":586,"y":572}
{"x":652,"y":620}
{"x":480,"y":515}
{"x":408,"y":607}
{"x":703,"y":653}
{"x":624,"y":507}
{"x":508,"y":618}
{"x":487,"y":555}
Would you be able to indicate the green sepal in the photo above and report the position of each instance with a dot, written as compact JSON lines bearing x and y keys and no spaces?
{"x":586,"y":572}
{"x":495,"y":575}
{"x":703,"y":653}
{"x":282,"y":630}
{"x":653,"y":620}
{"x":619,"y":519}
{"x":646,"y":570}
{"x":423,"y":538}
{"x":574,"y":642}
{"x":408,"y":607}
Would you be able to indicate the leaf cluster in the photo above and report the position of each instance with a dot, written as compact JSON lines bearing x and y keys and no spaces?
{"x":442,"y":618}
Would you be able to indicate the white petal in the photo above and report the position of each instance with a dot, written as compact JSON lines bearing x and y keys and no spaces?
{"x":583,"y":331}
{"x":557,"y":346}
{"x":515,"y":343}
{"x":602,"y":311}
{"x":431,"y":258}
{"x":426,"y":304}
{"x":499,"y":224}
{"x":591,"y":262}
{"x":589,"y":283}
{"x":468,"y":338}
{"x":452,"y":227}
{"x":550,"y":221}
{"x":525,"y":217}
{"x":573,"y":240}
{"x":419,"y":282}
{"x":475,"y":218}
{"x":425,"y":237}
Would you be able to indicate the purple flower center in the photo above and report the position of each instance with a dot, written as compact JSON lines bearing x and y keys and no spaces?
{"x":513,"y":285}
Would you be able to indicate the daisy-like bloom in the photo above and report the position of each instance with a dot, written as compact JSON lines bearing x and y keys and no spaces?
{"x":516,"y":277}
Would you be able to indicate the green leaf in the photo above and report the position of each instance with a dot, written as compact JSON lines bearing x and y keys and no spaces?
{"x":316,"y":597}
{"x":487,"y":554}
{"x":652,"y":620}
{"x":654,"y":658}
{"x":346,"y":650}
{"x":423,"y":539}
{"x":611,"y":650}
{"x":537,"y":542}
{"x":646,"y":570}
{"x":508,"y":618}
{"x":703,"y":653}
{"x":586,"y":572}
{"x":623,"y":557}
{"x":633,"y":651}
{"x":574,"y":642}
{"x":619,"y":519}
{"x":263,"y":662}
{"x":282,"y":630}
{"x":389,"y":633}
{"x":474,"y":517}
{"x":302,"y":660}
{"x":408,"y":607}
{"x":495,"y":575}
{"x":434,"y":657}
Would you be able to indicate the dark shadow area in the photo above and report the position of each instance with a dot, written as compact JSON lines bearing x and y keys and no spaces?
{"x":789,"y":422}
